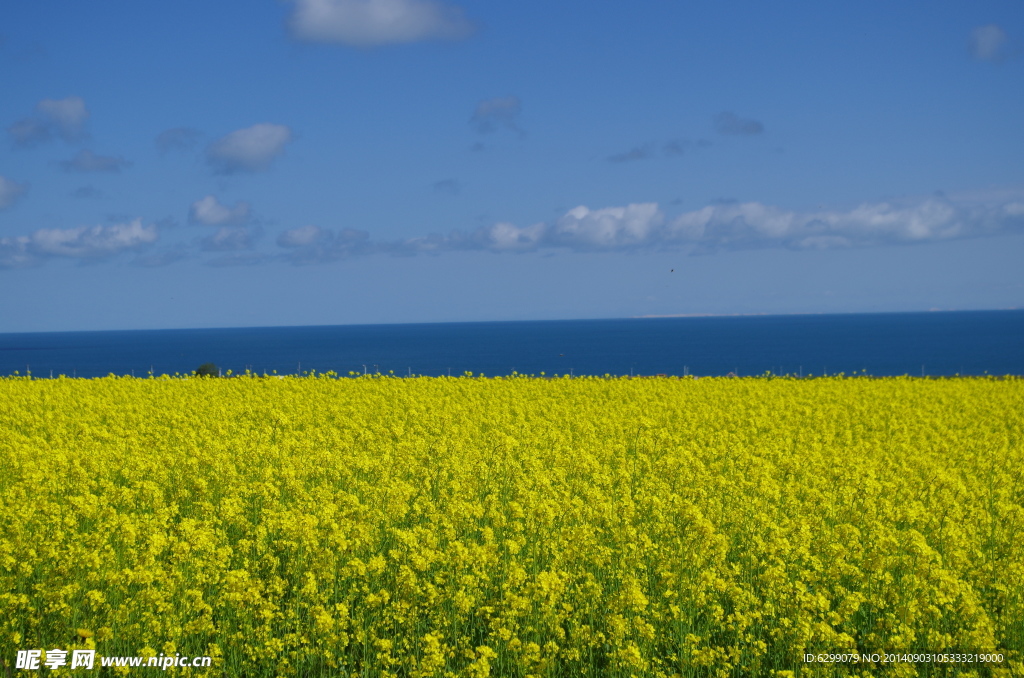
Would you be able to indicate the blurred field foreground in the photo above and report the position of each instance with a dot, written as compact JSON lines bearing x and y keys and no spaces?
{"x":381,"y":526}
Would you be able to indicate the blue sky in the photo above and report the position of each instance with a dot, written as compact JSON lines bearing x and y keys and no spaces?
{"x":306,"y":162}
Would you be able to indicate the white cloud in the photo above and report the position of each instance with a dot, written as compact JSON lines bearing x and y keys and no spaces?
{"x":84,"y":243}
{"x":367,"y":23}
{"x":64,"y":118}
{"x":988,"y":43}
{"x":580,"y":229}
{"x":751,"y":225}
{"x":248,"y":150}
{"x":608,"y":228}
{"x":93,"y":241}
{"x":87,"y":161}
{"x":506,"y":237}
{"x":303,"y":236}
{"x":633,"y":227}
{"x":312,"y":244}
{"x":735,"y":226}
{"x":492,"y":114}
{"x":210,"y":212}
{"x":228,"y":239}
{"x":10,"y":191}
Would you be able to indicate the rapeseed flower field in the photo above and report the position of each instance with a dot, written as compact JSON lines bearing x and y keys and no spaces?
{"x":418,"y":527}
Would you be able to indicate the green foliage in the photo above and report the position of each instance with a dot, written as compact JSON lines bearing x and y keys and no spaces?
{"x":207,"y":370}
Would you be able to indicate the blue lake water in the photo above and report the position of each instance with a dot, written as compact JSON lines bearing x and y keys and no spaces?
{"x":935,"y":344}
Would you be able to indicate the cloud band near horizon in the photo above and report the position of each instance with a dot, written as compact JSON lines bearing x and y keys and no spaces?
{"x":720,"y":227}
{"x":637,"y":227}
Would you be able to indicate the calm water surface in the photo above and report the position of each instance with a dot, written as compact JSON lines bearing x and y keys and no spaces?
{"x":946,"y":343}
